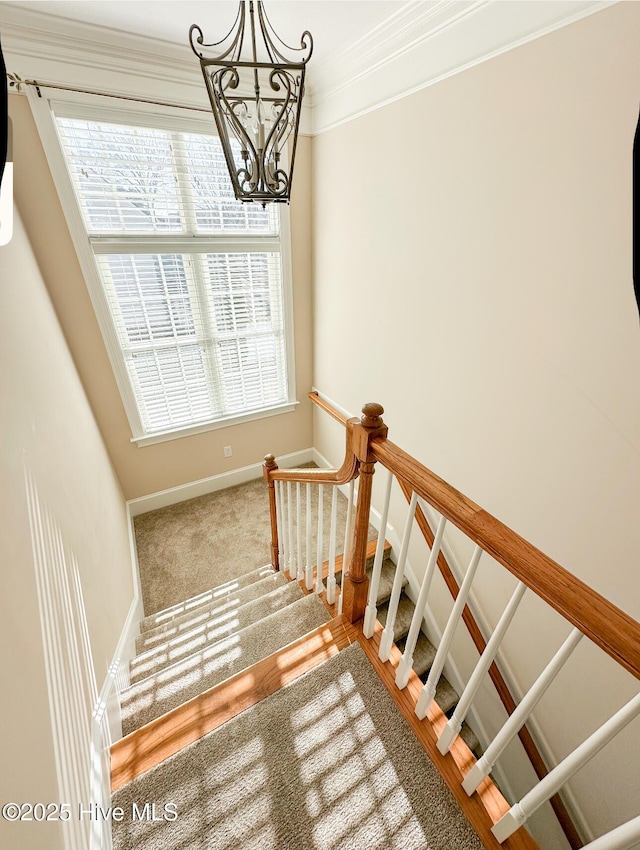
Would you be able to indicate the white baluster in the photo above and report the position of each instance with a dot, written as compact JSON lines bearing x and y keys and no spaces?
{"x":372,"y":612}
{"x":621,"y":838}
{"x":291,"y":564}
{"x":299,"y":568}
{"x":556,"y":778}
{"x":308,"y":569}
{"x":386,"y":640}
{"x":348,"y":532}
{"x":280,"y":524}
{"x":519,"y":717}
{"x":319,"y":585}
{"x":331,"y":578}
{"x":451,"y":730}
{"x":406,"y":663}
{"x":429,"y":691}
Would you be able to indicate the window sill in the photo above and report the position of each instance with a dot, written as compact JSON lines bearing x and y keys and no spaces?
{"x":227,"y":422}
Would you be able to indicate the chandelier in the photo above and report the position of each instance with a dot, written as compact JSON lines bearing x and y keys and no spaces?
{"x":256,"y":103}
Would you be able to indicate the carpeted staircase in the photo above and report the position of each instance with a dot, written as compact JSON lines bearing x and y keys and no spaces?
{"x":326,"y":762}
{"x":423,"y":656}
{"x":287,"y":772}
{"x":234,"y":635}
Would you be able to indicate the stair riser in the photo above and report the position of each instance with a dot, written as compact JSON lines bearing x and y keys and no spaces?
{"x":205,"y":614}
{"x":156,"y":695}
{"x":209,"y":597}
{"x":203,"y":637}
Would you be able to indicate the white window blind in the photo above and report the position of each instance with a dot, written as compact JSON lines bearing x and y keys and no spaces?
{"x":192,"y":278}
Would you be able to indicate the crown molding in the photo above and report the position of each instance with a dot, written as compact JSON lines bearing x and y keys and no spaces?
{"x":31,"y":35}
{"x":424,"y":43}
{"x":410,"y":25}
{"x":418,"y":45}
{"x":60,"y":51}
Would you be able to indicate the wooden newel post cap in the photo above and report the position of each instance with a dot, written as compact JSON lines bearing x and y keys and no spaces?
{"x":270,"y":462}
{"x":372,"y":415}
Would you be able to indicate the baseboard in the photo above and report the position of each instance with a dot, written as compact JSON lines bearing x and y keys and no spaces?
{"x":173,"y":495}
{"x":106,"y":722}
{"x":118,"y":675}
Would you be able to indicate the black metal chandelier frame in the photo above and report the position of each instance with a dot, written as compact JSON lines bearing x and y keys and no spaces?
{"x":255,"y":103}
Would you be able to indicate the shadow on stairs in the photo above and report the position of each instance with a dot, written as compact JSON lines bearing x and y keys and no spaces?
{"x":255,"y":718}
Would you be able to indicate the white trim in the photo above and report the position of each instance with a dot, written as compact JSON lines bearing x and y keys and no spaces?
{"x":227,"y":422}
{"x":286,"y":269}
{"x":88,"y":246}
{"x":412,"y":50}
{"x":106,"y":719}
{"x":41,"y":110}
{"x":397,"y":35}
{"x":201,"y":245}
{"x":203,"y":486}
{"x":96,"y":107}
{"x":416,"y":46}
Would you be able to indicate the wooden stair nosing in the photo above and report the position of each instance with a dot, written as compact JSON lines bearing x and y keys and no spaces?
{"x":333,"y":606}
{"x":487,"y":805}
{"x":148,"y":746}
{"x":370,"y":553}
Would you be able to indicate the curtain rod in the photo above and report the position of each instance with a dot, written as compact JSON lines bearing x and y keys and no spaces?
{"x":15,"y":82}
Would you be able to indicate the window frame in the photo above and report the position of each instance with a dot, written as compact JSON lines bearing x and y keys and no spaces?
{"x":88,"y":246}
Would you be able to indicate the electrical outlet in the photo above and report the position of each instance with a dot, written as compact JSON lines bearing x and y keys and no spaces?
{"x":227,"y":451}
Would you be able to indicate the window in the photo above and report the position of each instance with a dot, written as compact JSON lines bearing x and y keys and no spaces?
{"x":192,"y":279}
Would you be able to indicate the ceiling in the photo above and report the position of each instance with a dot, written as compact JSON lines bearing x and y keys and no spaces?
{"x":334,"y":24}
{"x":367,"y":53}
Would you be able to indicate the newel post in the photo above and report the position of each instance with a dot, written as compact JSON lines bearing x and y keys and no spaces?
{"x":356,"y":583}
{"x":268,"y":467}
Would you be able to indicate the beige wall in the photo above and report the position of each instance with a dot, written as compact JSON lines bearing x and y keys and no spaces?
{"x":62,"y":519}
{"x":147,"y":470}
{"x":475,"y":278}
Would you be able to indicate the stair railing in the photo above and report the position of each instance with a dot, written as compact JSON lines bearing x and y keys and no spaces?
{"x":589,"y":614}
{"x":291,"y":515}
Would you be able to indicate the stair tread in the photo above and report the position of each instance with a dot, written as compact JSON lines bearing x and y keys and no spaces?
{"x":423,"y":655}
{"x":387,"y":575}
{"x":446,"y":695}
{"x":231,"y":620}
{"x":159,"y":618}
{"x":471,"y":739}
{"x":158,"y":694}
{"x":191,"y":619}
{"x":404,"y":616}
{"x":244,"y":778}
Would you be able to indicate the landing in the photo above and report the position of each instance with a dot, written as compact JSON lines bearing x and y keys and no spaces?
{"x":187,"y":548}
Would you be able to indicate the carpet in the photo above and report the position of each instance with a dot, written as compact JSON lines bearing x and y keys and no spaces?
{"x":185,"y":549}
{"x":189,"y":547}
{"x":326,"y":763}
{"x":149,"y":698}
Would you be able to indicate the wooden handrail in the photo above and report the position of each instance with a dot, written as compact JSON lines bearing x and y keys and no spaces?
{"x":347,"y":472}
{"x":607,"y":626}
{"x":601,"y":621}
{"x":358,"y":461}
{"x":328,"y":408}
{"x":501,"y":686}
